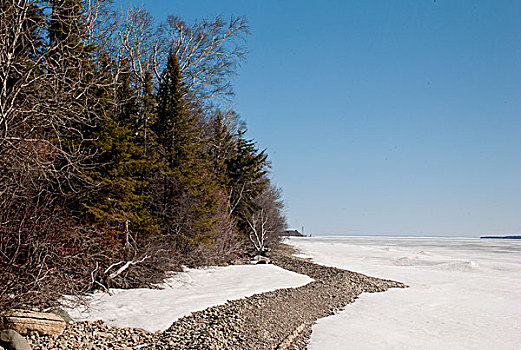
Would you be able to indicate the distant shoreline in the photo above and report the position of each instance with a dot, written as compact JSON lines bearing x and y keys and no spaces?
{"x":401,"y":237}
{"x":383,"y":236}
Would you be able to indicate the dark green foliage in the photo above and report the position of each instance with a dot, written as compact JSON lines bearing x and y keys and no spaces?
{"x":108,"y":164}
{"x":67,"y":24}
{"x":70,"y":50}
{"x":240,"y":167}
{"x":123,"y":167}
{"x":147,"y":117}
{"x":171,"y":110}
{"x":246,"y":173}
{"x":79,"y":87}
{"x":221,"y":147}
{"x":177,"y":130}
{"x":28,"y":45}
{"x":186,"y":197}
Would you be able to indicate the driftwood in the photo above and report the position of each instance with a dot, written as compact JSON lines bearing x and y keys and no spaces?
{"x":125,"y":266}
{"x":25,"y":322}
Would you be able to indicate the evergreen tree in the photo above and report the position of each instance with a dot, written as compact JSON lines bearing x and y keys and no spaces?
{"x":147,"y":115}
{"x":221,"y":147}
{"x":25,"y":49}
{"x":247,"y":179}
{"x":78,"y":93}
{"x":122,"y":168}
{"x":187,"y":198}
{"x":67,"y":24}
{"x":240,"y":167}
{"x":176,"y":128}
{"x":68,"y":40}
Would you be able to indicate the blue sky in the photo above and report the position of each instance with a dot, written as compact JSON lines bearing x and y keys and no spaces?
{"x":383,"y":117}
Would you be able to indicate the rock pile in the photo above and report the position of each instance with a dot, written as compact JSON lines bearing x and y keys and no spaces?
{"x":280,"y":319}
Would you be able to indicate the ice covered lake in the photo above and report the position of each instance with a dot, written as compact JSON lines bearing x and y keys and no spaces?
{"x":464,"y":293}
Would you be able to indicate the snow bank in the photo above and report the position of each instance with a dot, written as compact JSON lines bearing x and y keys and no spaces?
{"x":464,"y":293}
{"x":184,"y":293}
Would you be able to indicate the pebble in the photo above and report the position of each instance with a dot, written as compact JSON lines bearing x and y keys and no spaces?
{"x":262,"y":321}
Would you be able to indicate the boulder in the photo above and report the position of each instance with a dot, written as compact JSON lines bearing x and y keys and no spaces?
{"x":11,"y":340}
{"x":24,"y":322}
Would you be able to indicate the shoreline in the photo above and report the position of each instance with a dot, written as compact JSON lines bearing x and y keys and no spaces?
{"x":279,"y":319}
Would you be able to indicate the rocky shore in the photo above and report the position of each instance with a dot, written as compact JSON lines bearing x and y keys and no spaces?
{"x":280,"y":319}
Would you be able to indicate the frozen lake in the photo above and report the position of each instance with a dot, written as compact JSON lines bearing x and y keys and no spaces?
{"x":464,"y":293}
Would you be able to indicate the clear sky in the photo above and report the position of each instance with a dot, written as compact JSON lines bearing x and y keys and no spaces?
{"x":383,"y":117}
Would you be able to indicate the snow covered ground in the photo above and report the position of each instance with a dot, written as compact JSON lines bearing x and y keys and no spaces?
{"x":192,"y":290}
{"x":464,"y":293}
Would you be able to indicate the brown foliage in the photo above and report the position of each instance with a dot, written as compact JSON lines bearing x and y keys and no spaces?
{"x":54,"y":93}
{"x":43,"y":255}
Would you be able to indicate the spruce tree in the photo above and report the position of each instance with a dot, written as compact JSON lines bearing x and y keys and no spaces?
{"x":68,"y":39}
{"x":25,"y":49}
{"x":176,"y":128}
{"x":240,"y":167}
{"x":78,"y":93}
{"x":187,"y":198}
{"x":67,"y":24}
{"x":247,"y":179}
{"x":147,"y":116}
{"x":221,"y":147}
{"x":122,"y":168}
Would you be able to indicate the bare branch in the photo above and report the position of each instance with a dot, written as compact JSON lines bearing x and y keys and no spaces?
{"x":209,"y":52}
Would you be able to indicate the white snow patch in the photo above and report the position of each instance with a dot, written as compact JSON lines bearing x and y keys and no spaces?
{"x":464,"y":293}
{"x":184,"y":293}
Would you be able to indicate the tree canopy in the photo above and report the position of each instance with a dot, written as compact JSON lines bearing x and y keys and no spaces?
{"x":116,"y":149}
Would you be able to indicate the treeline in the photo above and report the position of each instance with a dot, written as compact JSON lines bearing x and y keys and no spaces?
{"x":119,"y":159}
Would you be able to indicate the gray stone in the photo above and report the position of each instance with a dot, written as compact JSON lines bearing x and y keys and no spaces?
{"x":12,"y":340}
{"x":268,"y":320}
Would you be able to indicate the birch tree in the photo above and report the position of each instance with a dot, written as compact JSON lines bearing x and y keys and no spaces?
{"x":209,"y":52}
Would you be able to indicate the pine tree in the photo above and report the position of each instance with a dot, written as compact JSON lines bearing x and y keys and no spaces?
{"x":247,"y":179}
{"x":77,"y":93}
{"x":122,"y":168}
{"x":25,"y":49}
{"x":67,"y":24}
{"x":187,"y":198}
{"x":221,"y":147}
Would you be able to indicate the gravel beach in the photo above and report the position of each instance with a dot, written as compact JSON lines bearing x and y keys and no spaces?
{"x":280,"y":319}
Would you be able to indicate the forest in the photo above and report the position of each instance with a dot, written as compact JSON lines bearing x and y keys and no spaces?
{"x":120,"y":156}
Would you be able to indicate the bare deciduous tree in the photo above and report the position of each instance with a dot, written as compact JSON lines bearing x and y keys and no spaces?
{"x":209,"y":52}
{"x":132,"y":42}
{"x":268,"y":222}
{"x":67,"y":68}
{"x":259,"y":232}
{"x":46,"y":89}
{"x":49,"y":96}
